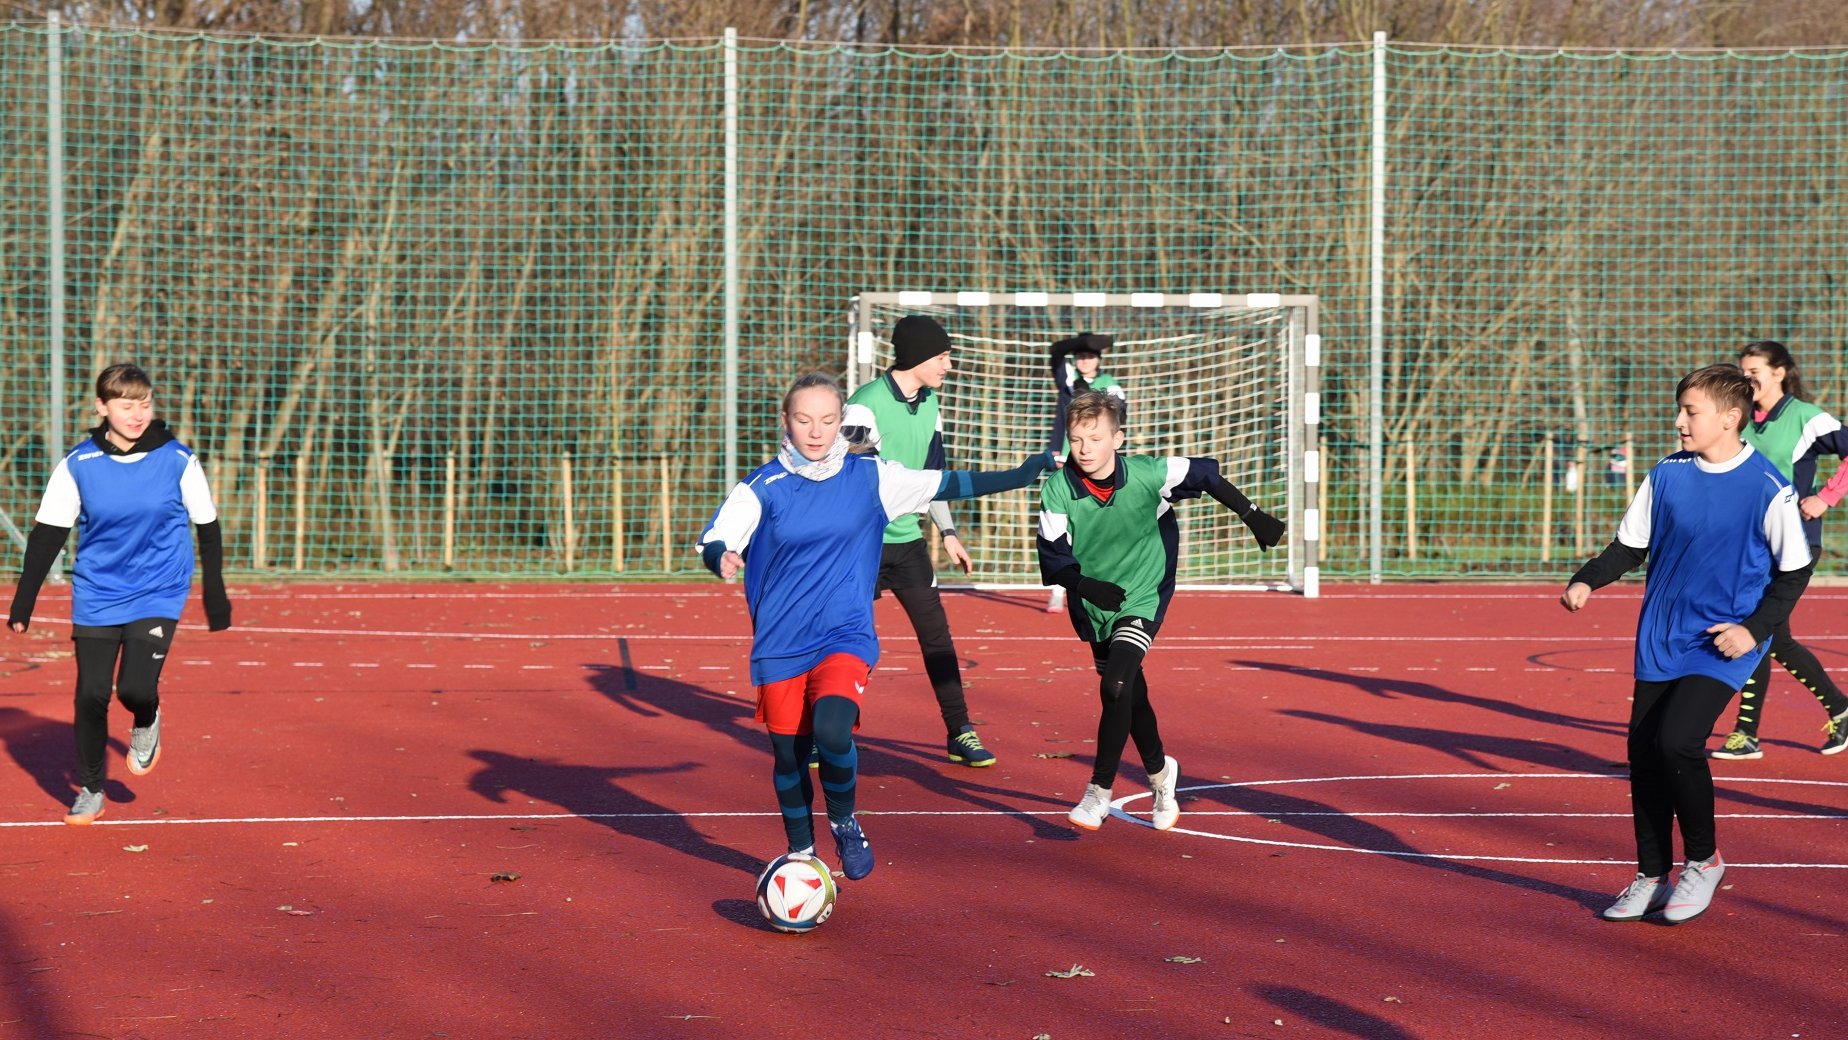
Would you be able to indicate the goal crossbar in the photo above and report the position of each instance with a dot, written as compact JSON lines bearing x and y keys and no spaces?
{"x":1232,"y":375}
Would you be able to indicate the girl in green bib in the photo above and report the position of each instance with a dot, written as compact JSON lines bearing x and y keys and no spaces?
{"x":1792,"y":433}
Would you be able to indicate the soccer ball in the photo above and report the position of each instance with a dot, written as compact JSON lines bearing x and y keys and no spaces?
{"x":795,"y":892}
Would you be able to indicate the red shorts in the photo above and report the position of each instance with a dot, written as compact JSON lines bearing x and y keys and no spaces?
{"x":788,"y":706}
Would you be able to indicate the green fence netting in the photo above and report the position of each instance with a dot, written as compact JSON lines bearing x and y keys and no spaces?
{"x":427,"y":309}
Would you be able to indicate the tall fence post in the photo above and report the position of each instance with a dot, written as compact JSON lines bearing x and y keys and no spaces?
{"x":54,"y":221}
{"x":731,"y":256}
{"x":1376,"y":317}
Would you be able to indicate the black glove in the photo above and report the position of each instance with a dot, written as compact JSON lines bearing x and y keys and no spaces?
{"x":1101,"y":593}
{"x":1267,"y":529}
{"x":218,"y":616}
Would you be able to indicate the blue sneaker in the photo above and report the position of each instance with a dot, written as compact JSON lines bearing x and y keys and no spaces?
{"x":966,"y":749}
{"x":856,"y":852}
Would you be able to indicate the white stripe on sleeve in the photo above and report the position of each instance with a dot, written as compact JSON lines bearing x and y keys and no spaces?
{"x":1784,"y":531}
{"x":1178,"y":468}
{"x":1819,"y":424}
{"x":1634,"y":530}
{"x":736,"y":521}
{"x":903,"y":490}
{"x":196,"y":494}
{"x":858,"y":415}
{"x":62,"y":504}
{"x":1053,"y":526}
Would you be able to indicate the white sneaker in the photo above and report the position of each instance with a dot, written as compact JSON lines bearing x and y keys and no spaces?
{"x":1056,"y":601}
{"x":1091,"y":813}
{"x":1165,"y":811}
{"x":1694,"y":890}
{"x":1646,"y":895}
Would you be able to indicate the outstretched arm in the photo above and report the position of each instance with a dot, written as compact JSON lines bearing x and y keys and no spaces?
{"x":1190,"y":477}
{"x":971,"y":483}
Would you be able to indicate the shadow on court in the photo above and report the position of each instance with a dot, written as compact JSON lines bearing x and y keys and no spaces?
{"x":1391,"y":688}
{"x":46,"y":750}
{"x":592,"y":792}
{"x":1473,"y":748}
{"x":1334,"y":825}
{"x":31,"y":989}
{"x":1329,"y":1013}
{"x":925,"y":764}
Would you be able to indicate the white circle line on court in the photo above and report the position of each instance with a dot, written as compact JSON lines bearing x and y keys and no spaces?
{"x":1117,"y":809}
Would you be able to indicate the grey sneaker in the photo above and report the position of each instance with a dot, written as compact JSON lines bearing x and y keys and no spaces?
{"x":87,"y":806}
{"x":144,"y":747}
{"x":1165,"y":810}
{"x":1090,"y":813}
{"x":1646,"y":895}
{"x":1694,"y":890}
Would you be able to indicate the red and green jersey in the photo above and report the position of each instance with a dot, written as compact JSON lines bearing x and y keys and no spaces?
{"x":1128,"y":538}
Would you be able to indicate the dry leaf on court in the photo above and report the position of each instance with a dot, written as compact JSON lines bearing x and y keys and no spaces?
{"x":1182,"y":960}
{"x":1076,"y":971}
{"x":1499,"y":787}
{"x":134,"y":848}
{"x":1053,"y":754}
{"x":1394,"y":1000}
{"x":505,"y":875}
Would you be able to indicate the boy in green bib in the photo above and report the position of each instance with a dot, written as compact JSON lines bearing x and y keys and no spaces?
{"x":897,"y":415}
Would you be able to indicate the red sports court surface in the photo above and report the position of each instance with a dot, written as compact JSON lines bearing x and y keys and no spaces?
{"x":1404,"y":808}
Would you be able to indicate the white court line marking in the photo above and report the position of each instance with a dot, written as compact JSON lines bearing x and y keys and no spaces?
{"x":1118,"y":810}
{"x":1216,"y":642}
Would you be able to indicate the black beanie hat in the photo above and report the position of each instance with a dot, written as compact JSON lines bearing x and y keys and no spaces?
{"x":917,"y":338}
{"x":1084,"y":342}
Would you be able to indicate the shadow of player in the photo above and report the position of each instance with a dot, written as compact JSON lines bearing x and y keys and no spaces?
{"x":592,"y":793}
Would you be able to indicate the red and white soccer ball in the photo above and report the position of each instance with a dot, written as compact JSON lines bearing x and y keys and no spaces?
{"x":795,"y":892}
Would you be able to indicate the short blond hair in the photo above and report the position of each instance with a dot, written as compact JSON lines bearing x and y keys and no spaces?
{"x":1092,"y":405}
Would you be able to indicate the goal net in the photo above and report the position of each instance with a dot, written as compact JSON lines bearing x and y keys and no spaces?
{"x":1233,"y":377}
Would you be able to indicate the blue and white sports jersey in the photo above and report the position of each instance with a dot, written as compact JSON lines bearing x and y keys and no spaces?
{"x":811,"y":551}
{"x":134,"y":548}
{"x":1714,"y":533}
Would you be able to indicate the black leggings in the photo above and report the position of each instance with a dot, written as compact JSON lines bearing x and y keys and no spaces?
{"x":1124,"y":692}
{"x":924,"y":606}
{"x":1802,"y":666}
{"x":124,"y":660}
{"x":1669,"y":779}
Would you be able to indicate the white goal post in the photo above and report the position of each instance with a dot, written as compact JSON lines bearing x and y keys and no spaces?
{"x":1231,"y":376}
